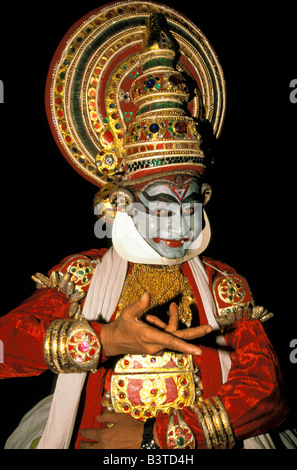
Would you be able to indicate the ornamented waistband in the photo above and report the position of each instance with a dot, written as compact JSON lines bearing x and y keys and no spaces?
{"x":143,"y":386}
{"x":144,"y":395}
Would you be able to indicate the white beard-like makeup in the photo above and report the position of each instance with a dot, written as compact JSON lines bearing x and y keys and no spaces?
{"x":165,"y":227}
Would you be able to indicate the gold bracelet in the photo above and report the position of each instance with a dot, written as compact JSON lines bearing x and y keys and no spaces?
{"x":52,"y":347}
{"x":71,"y":346}
{"x":62,"y":354}
{"x":204,"y":428}
{"x":83,"y":346}
{"x":215,"y":423}
{"x":209,"y":423}
{"x":47,"y":347}
{"x":225,"y":421}
{"x":55,"y":345}
{"x":220,"y":431}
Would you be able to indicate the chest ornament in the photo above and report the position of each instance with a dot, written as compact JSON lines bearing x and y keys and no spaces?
{"x":143,"y":385}
{"x":165,"y":285}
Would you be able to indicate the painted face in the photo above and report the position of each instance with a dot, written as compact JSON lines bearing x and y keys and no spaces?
{"x":169,"y":216}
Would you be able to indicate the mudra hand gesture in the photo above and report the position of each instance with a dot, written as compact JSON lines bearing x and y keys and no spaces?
{"x":129,"y":334}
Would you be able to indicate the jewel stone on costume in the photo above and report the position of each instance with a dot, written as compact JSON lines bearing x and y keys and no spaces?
{"x":71,"y":346}
{"x":179,"y":434}
{"x":231,"y":291}
{"x":154,"y":128}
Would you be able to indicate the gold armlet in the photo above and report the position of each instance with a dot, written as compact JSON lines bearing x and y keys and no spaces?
{"x":215,"y":423}
{"x":71,"y":346}
{"x":72,"y":279}
{"x":234,"y":300}
{"x":179,"y":435}
{"x":249,"y":312}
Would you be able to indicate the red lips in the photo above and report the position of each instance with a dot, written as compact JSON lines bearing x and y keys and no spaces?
{"x":172,"y":243}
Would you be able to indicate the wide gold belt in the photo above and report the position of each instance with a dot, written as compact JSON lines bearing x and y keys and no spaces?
{"x":143,"y":385}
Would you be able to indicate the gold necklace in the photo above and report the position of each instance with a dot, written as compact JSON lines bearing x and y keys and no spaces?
{"x":164,"y":283}
{"x":163,"y":293}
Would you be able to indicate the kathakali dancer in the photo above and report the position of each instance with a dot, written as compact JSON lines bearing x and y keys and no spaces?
{"x":154,"y":344}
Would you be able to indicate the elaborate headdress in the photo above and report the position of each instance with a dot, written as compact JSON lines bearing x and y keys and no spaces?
{"x":126,"y":91}
{"x":125,"y":88}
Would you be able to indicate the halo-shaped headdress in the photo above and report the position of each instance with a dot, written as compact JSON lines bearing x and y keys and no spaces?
{"x":125,"y":88}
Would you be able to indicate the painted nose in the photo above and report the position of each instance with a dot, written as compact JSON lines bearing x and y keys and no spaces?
{"x":179,"y":227}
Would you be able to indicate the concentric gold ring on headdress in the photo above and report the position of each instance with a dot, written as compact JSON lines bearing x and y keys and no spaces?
{"x":88,"y":100}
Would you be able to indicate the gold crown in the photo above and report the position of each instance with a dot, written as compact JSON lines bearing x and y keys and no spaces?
{"x":161,"y":133}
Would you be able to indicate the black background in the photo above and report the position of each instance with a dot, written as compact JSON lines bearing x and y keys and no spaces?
{"x":46,"y":207}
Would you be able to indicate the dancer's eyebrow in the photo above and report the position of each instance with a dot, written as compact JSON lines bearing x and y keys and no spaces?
{"x":162,"y":197}
{"x":192,"y":197}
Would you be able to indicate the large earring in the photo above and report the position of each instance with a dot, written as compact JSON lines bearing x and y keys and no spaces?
{"x":206,"y":192}
{"x":101,"y":204}
{"x":121,"y":200}
{"x":111,"y":199}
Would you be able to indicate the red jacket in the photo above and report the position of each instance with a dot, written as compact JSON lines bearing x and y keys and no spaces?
{"x":253,"y":394}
